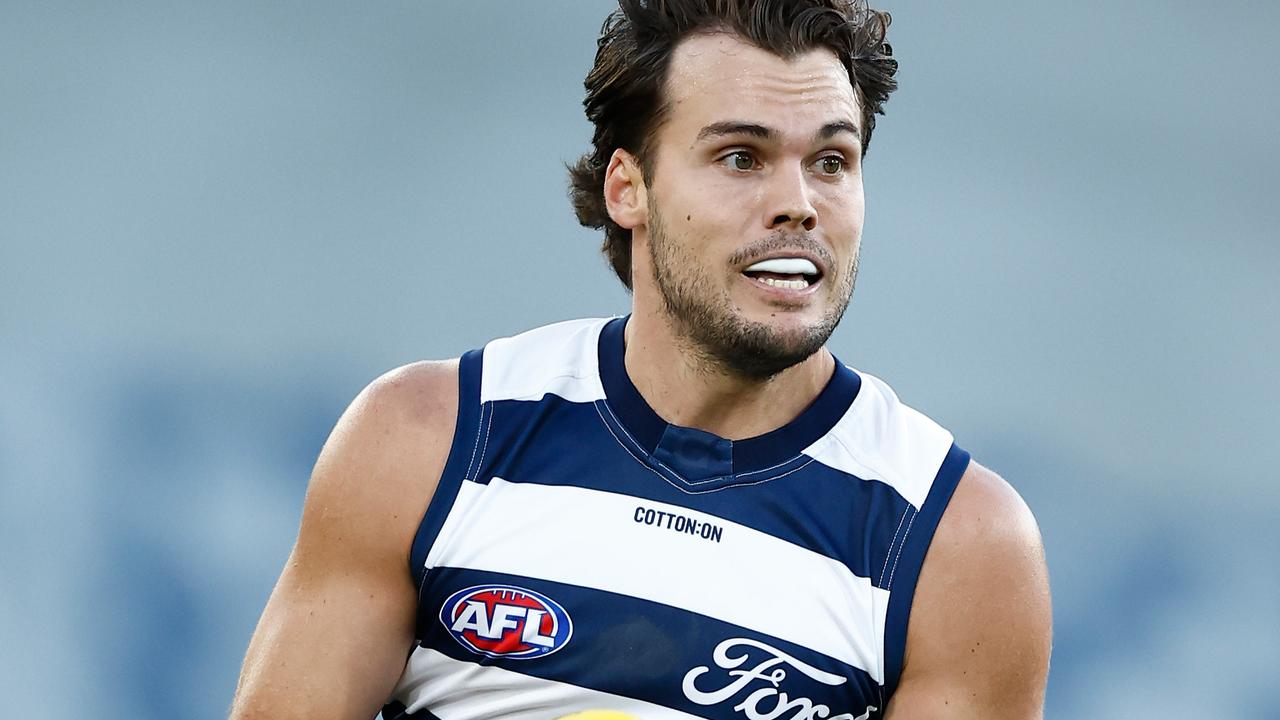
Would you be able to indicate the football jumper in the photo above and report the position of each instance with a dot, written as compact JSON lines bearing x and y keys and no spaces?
{"x":581,"y":552}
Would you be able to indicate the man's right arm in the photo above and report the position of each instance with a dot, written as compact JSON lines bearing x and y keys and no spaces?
{"x":339,"y":625}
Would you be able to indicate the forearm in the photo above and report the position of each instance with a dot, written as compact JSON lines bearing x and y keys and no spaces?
{"x":336,"y":653}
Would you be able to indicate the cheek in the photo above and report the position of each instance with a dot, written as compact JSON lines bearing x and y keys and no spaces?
{"x":709,"y":232}
{"x":844,"y":214}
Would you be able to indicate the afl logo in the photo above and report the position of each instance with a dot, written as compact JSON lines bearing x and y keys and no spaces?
{"x":506,"y":621}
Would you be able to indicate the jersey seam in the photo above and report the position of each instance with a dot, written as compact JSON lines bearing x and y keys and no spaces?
{"x":485,"y":448}
{"x":543,"y":387}
{"x":889,"y":552}
{"x":881,"y":476}
{"x":789,"y":460}
{"x":475,"y":447}
{"x":905,"y":533}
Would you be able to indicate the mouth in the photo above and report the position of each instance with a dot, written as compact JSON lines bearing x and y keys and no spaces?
{"x":786,"y":273}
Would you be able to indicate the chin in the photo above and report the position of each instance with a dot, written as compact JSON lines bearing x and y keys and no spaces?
{"x":788,"y":325}
{"x":760,"y":349}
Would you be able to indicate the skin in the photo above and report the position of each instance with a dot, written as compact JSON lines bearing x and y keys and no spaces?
{"x":338,"y":627}
{"x":336,"y":631}
{"x":713,"y":212}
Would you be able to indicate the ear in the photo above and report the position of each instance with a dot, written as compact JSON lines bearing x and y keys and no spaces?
{"x":625,"y":195}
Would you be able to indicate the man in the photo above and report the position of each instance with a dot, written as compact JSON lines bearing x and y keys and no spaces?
{"x":693,"y":511}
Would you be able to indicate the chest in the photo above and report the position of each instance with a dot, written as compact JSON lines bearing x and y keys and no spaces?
{"x":570,"y":563}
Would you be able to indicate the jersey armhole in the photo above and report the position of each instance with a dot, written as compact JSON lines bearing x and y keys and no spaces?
{"x":466,"y":436}
{"x":902,"y":585}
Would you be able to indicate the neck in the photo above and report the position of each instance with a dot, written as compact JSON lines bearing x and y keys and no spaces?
{"x":684,"y":390}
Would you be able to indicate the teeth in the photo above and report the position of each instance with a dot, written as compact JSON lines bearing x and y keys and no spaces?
{"x":785,"y":266}
{"x":788,"y":284}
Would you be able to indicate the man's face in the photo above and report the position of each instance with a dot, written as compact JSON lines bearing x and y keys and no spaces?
{"x":755,"y":203}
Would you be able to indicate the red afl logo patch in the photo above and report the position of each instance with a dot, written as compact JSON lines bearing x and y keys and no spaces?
{"x":506,"y":621}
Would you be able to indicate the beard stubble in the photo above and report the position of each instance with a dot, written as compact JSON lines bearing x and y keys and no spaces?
{"x":705,"y":320}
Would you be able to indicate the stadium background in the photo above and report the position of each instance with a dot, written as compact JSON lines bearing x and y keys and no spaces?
{"x":218,"y":221}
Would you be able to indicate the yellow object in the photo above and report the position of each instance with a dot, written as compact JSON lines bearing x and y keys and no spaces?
{"x":599,"y":715}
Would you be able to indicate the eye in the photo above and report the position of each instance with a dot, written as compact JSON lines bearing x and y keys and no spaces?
{"x":739,"y":160}
{"x":831,"y":164}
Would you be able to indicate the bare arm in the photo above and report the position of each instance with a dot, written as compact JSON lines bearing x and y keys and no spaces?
{"x":980,"y":628}
{"x":339,"y":625}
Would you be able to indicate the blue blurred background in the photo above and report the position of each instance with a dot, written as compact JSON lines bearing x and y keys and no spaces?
{"x":218,"y":221}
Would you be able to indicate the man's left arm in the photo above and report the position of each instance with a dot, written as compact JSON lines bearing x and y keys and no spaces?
{"x":980,"y":627}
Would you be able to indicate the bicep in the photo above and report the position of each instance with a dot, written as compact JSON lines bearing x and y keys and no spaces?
{"x":979,"y":633}
{"x":338,"y":627}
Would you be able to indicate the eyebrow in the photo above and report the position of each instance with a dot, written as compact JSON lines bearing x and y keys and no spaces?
{"x":830,"y":130}
{"x":735,"y":127}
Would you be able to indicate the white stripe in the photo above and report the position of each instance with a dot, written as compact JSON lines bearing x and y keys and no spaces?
{"x":881,"y":611}
{"x":879,"y":438}
{"x":456,"y":690}
{"x":558,"y":359}
{"x":591,"y":538}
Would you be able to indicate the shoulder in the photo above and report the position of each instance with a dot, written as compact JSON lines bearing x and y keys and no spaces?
{"x":394,"y":413}
{"x":411,"y":398}
{"x":986,"y":514}
{"x":987,"y":548}
{"x":981,"y":622}
{"x":379,"y":468}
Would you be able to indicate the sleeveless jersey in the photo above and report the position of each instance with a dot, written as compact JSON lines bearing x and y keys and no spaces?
{"x":581,"y":552}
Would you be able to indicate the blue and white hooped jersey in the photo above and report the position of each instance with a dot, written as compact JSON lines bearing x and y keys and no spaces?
{"x":580,"y":552}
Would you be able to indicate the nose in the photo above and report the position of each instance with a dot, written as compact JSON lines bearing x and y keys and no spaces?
{"x":788,"y":202}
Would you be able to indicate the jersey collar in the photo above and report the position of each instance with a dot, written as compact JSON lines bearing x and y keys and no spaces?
{"x":699,"y":455}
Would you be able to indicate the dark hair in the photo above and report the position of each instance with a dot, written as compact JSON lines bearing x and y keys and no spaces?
{"x":625,"y":87}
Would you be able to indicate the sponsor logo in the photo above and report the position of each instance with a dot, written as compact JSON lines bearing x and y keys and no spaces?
{"x":506,"y":621}
{"x":758,"y":686}
{"x":678,"y":523}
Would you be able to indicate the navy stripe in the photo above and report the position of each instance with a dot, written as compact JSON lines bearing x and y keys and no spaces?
{"x":901,"y":580}
{"x":461,"y":456}
{"x":817,"y":507}
{"x":395,"y":710}
{"x":640,"y":649}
